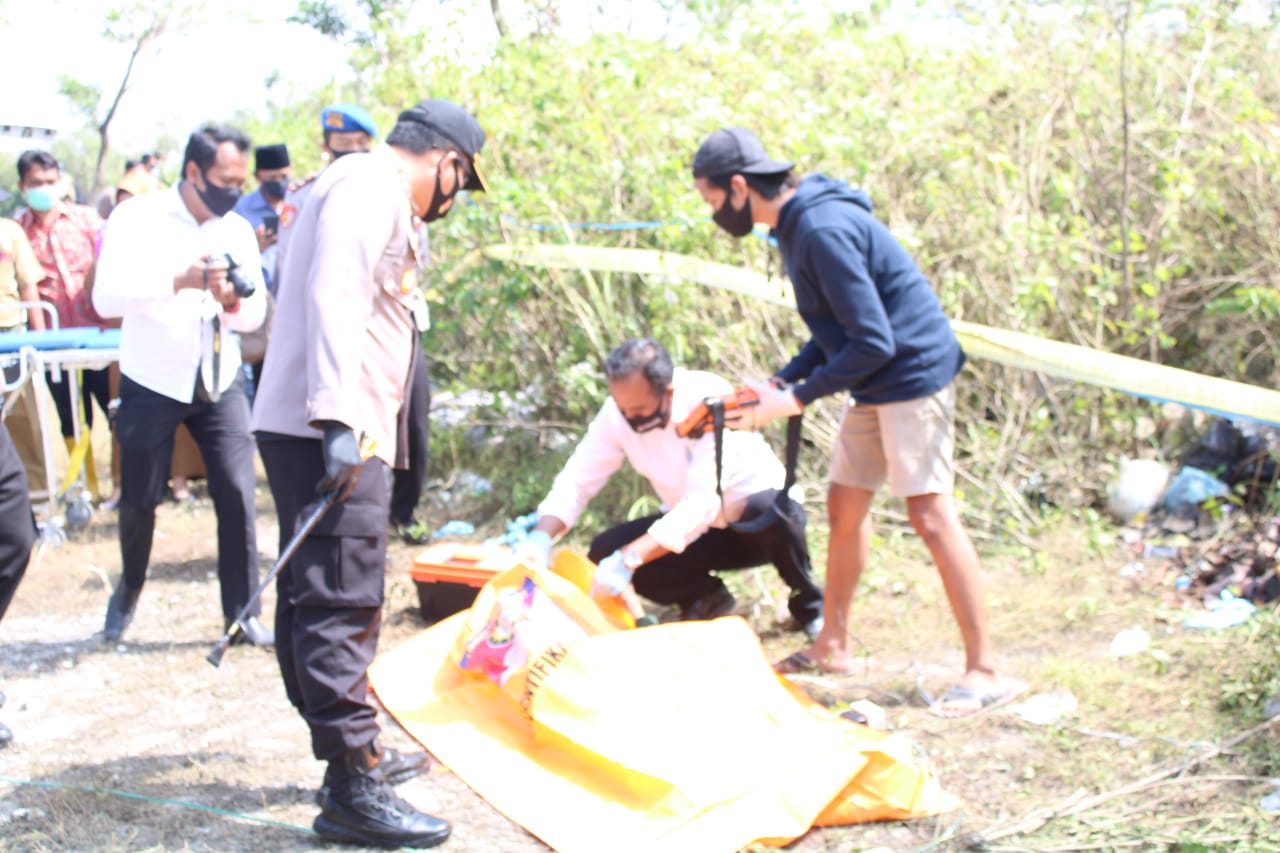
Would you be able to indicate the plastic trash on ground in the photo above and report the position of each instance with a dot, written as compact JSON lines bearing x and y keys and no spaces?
{"x":1136,"y":488}
{"x":1046,"y":709}
{"x":1191,"y":486}
{"x":1130,"y":641}
{"x":456,"y":527}
{"x":1271,"y":802}
{"x":1224,"y":612}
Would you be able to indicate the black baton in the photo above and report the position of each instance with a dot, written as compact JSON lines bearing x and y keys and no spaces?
{"x":215,"y":656}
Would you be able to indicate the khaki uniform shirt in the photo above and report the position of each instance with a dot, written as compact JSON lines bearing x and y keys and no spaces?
{"x":19,"y":269}
{"x":343,"y":342}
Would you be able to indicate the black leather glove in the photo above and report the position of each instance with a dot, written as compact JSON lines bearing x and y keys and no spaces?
{"x":342,"y":462}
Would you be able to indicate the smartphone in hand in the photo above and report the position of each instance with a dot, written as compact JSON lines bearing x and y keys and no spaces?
{"x":271,"y":223}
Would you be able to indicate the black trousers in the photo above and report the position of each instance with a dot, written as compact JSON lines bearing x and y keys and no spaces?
{"x":93,"y":386}
{"x":685,"y":577}
{"x":17,"y":524}
{"x":144,"y":427}
{"x":329,"y":595}
{"x":408,"y":484}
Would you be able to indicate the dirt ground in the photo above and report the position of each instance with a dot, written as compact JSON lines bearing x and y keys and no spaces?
{"x":141,"y":745}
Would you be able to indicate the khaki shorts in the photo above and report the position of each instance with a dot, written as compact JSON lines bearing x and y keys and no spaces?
{"x":910,"y":443}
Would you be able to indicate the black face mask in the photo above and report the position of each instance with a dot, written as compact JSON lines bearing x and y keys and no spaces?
{"x":439,"y":199}
{"x":274,"y":189}
{"x":737,"y":221}
{"x":219,"y":200}
{"x":654,"y":420}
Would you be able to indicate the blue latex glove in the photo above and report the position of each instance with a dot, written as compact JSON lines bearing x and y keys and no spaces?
{"x":535,"y":549}
{"x":342,"y":462}
{"x":611,"y":576}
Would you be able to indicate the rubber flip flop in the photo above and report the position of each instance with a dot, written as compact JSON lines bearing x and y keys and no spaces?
{"x":799,"y":663}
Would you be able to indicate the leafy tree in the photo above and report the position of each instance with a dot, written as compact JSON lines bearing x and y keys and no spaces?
{"x":136,"y":25}
{"x":1099,"y":173}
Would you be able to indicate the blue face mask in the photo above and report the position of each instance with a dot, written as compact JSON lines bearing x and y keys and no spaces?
{"x":40,"y":199}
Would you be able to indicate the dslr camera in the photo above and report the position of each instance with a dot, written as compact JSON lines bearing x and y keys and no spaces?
{"x":243,"y":287}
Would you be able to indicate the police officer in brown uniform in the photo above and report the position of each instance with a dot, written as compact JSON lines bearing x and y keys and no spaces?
{"x":341,"y":372}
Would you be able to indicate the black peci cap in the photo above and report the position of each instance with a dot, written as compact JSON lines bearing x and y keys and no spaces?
{"x":267,"y":157}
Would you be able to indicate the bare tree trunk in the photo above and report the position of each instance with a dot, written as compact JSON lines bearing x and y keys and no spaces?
{"x":104,"y":126}
{"x":498,"y":20}
{"x":103,"y":145}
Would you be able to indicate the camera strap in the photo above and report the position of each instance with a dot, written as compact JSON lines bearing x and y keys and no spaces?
{"x":215,"y":393}
{"x":204,"y":392}
{"x":716,"y":407}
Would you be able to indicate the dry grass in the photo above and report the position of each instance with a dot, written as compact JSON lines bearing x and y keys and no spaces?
{"x":149,"y":718}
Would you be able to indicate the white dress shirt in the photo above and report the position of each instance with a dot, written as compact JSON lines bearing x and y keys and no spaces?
{"x":148,"y":240}
{"x":682,"y":471}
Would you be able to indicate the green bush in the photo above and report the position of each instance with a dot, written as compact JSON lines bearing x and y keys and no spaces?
{"x":1000,"y":155}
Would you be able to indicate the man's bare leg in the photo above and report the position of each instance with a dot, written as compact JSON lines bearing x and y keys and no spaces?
{"x":937,"y":522}
{"x":849,"y":511}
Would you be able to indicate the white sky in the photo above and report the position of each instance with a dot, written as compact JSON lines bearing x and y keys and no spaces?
{"x":181,"y":81}
{"x":220,"y":68}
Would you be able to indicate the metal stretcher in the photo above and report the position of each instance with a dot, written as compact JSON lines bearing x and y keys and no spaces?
{"x":26,"y":357}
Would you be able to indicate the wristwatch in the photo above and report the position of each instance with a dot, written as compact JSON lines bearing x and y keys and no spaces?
{"x":631,"y":559}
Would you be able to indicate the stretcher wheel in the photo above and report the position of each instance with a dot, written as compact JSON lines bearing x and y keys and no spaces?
{"x":51,"y":532}
{"x":79,"y":512}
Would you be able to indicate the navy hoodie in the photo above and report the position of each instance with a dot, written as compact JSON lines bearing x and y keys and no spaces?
{"x":878,"y":329}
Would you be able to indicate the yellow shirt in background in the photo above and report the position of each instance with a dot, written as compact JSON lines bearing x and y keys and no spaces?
{"x":19,"y":270}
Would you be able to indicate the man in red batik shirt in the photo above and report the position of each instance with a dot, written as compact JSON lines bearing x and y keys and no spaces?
{"x":64,"y":237}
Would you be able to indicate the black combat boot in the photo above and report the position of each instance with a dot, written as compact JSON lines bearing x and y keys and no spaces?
{"x":396,"y":767}
{"x":360,"y":807}
{"x":393,"y":767}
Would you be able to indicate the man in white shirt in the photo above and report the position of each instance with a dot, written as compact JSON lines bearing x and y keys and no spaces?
{"x":671,"y":557}
{"x":164,"y":269}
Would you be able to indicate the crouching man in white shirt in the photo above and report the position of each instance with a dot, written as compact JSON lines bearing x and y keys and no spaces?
{"x":672,"y":557}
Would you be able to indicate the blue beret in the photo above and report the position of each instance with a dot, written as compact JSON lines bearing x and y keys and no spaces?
{"x":347,"y":118}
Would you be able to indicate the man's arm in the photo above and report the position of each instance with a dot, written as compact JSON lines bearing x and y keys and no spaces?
{"x":131,"y":276}
{"x":841,"y":269}
{"x":804,"y":363}
{"x":598,"y":455}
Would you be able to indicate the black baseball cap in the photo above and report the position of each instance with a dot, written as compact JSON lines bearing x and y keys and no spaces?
{"x":735,"y":151}
{"x":458,"y":126}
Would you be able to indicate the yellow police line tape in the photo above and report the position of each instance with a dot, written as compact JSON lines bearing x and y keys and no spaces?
{"x":1233,"y":400}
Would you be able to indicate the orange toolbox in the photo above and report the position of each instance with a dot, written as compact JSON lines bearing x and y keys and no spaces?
{"x":449,"y":575}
